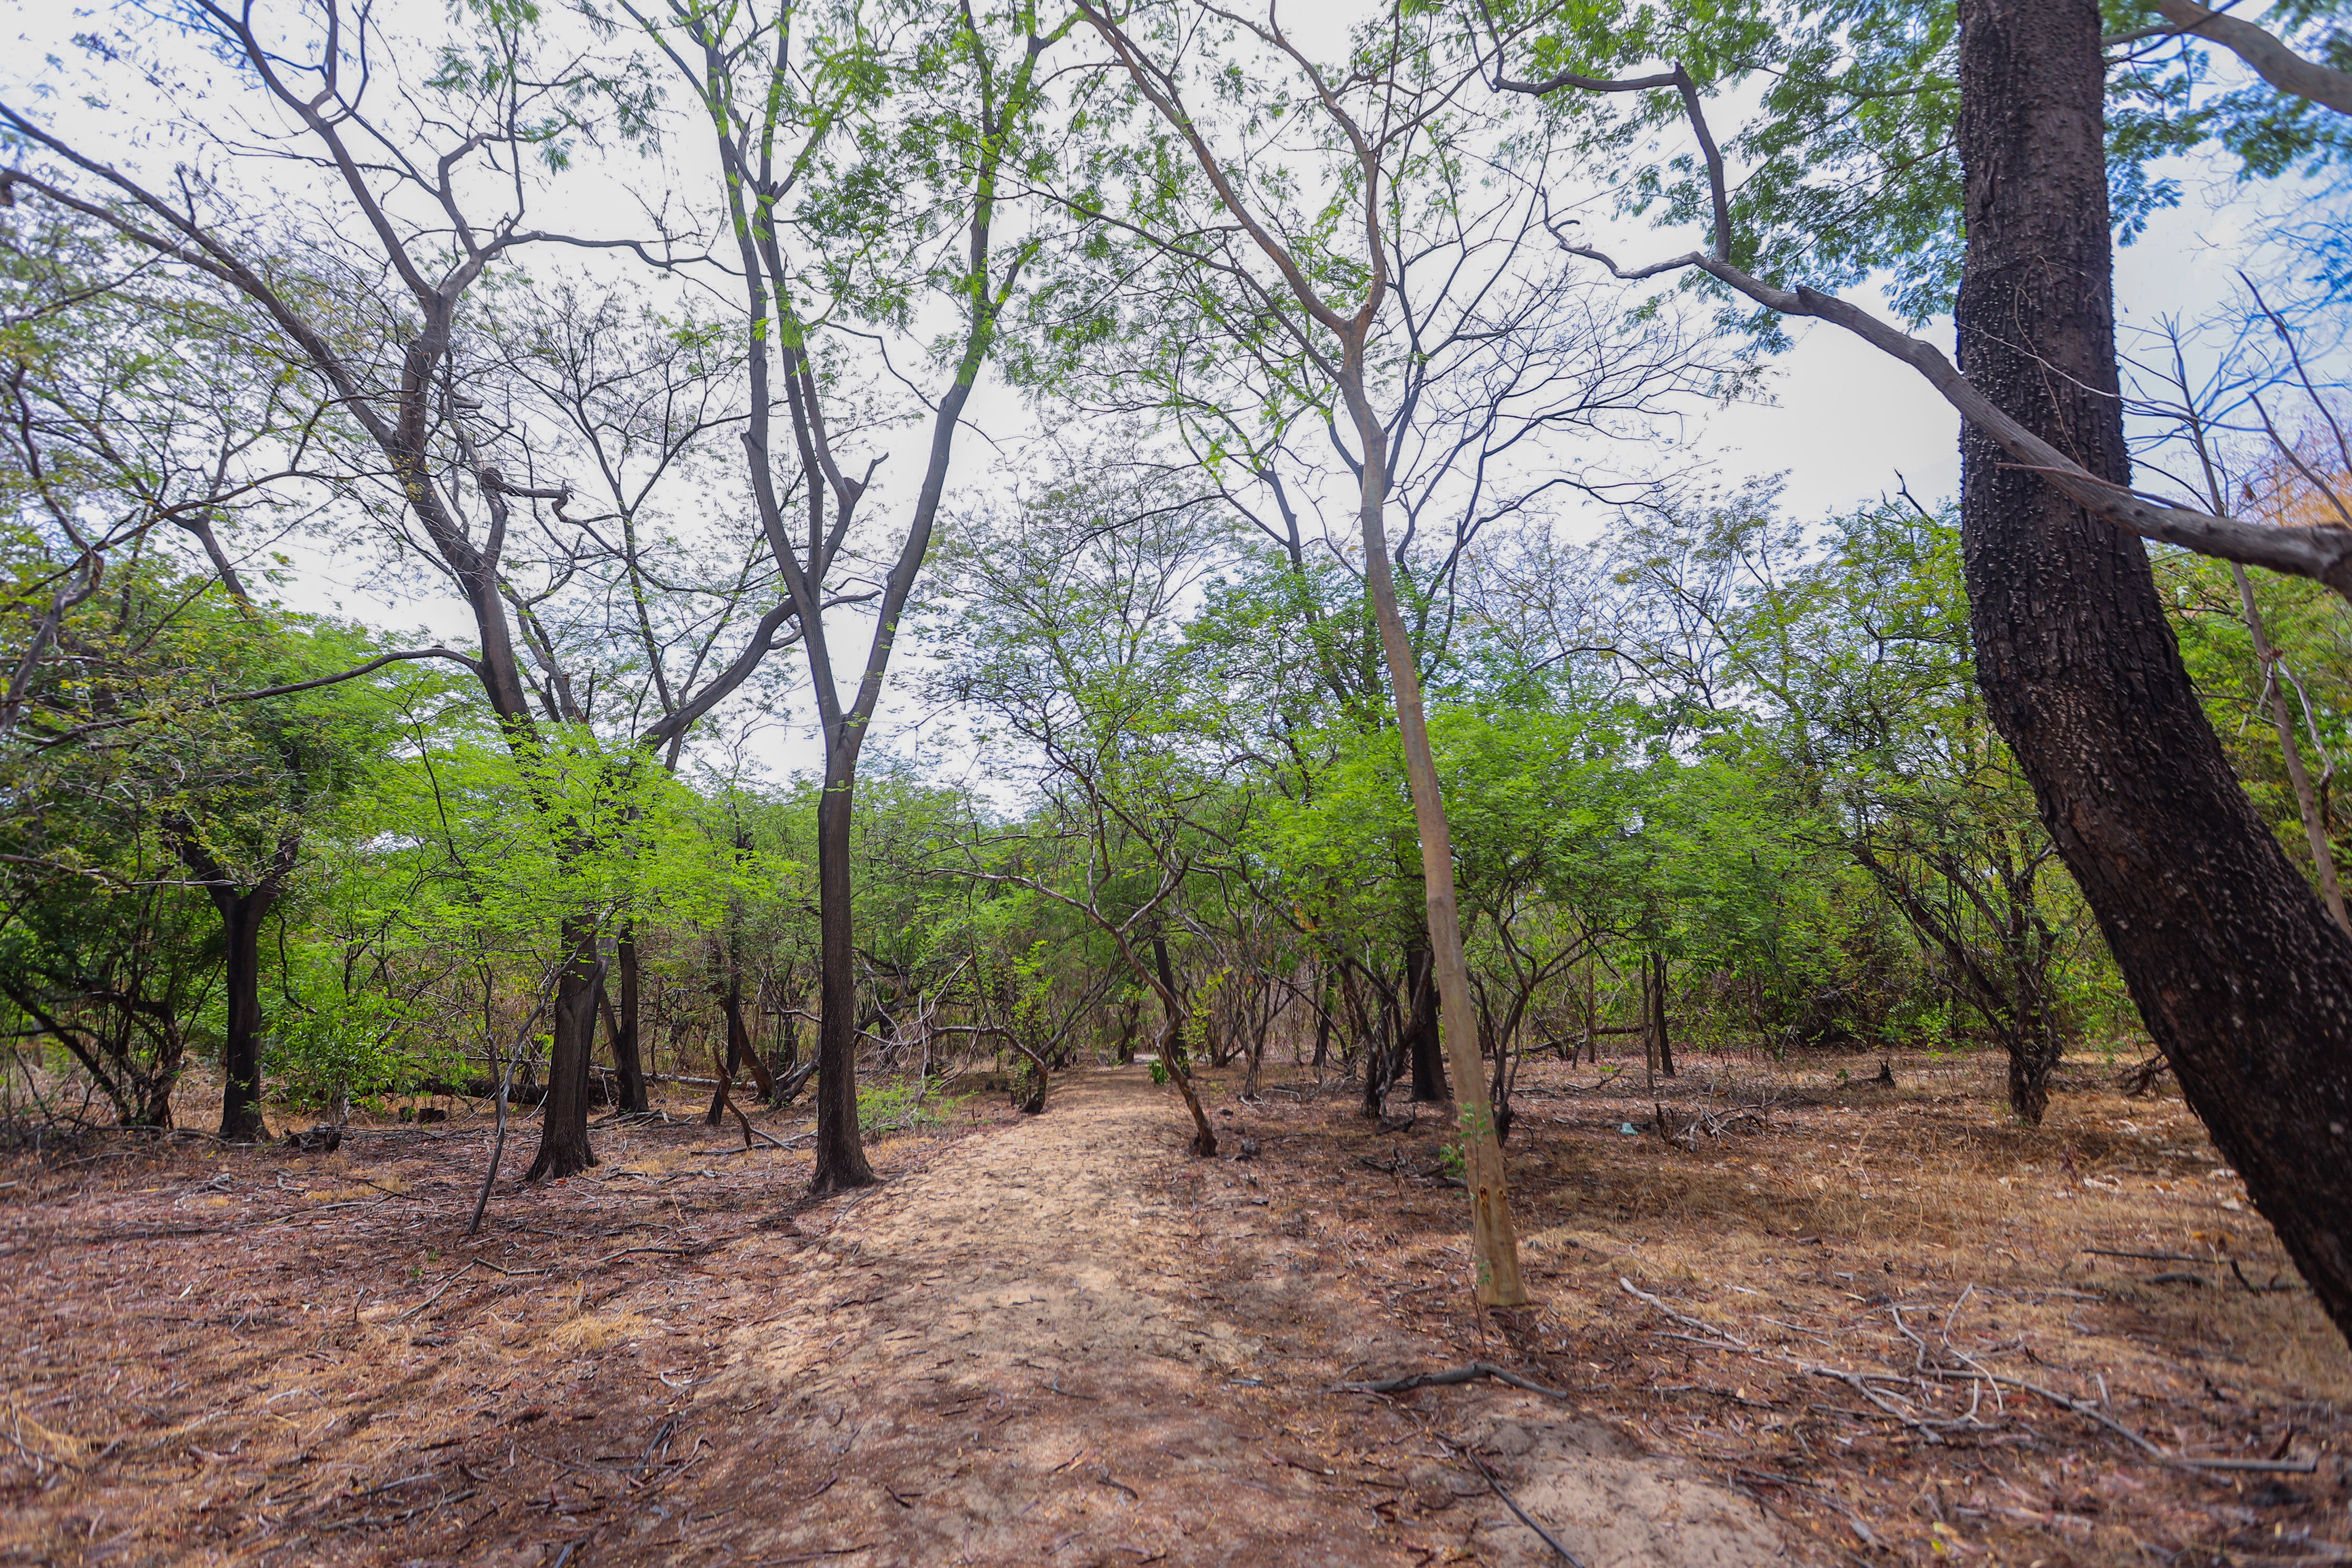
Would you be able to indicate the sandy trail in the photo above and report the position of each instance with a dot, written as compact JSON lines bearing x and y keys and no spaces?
{"x":1066,"y":1343}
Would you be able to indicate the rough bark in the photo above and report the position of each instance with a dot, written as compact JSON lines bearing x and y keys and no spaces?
{"x":242,"y":914}
{"x":2244,"y":980}
{"x":564,"y":1148}
{"x":1429,"y":1086}
{"x":628,"y":1058}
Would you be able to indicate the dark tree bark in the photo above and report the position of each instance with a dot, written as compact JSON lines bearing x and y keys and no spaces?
{"x":1662,"y":1043}
{"x":243,"y":908}
{"x":564,"y":1148}
{"x":242,"y":914}
{"x":1383,"y":1028}
{"x":1323,"y":1005}
{"x":840,"y":1152}
{"x":1428,"y":1055}
{"x":1131,"y":1012}
{"x":740,"y":1051}
{"x":2243,"y":979}
{"x":627,"y":1057}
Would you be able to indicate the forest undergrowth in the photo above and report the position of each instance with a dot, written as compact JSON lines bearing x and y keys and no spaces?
{"x":1864,"y":1322}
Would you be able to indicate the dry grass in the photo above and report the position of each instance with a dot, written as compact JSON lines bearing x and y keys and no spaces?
{"x":214,"y":1356}
{"x":227,"y":1356}
{"x":1806,"y":1236}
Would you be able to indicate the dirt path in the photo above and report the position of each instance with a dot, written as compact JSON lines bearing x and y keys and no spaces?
{"x":1064,"y":1342}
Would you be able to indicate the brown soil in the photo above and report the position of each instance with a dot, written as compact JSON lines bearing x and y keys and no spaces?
{"x":1058,"y":1340}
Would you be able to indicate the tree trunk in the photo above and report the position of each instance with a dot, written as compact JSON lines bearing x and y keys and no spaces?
{"x":564,"y":1148}
{"x":242,"y":914}
{"x":729,"y":1063}
{"x":1171,"y":1049}
{"x":1592,"y":1011}
{"x":2035,"y":1050}
{"x":1649,"y":1024}
{"x":1429,"y":1087}
{"x":741,"y":1051}
{"x":628,"y":1059}
{"x":1379,"y":1036}
{"x":1494,"y":1246}
{"x":2244,"y":980}
{"x":1129,"y":1012}
{"x":840,"y":1152}
{"x":1662,"y":1045}
{"x":1322,"y":1019}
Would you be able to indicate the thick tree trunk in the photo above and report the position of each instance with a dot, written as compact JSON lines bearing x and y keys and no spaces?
{"x":840,"y":1152}
{"x":1421,"y":1034}
{"x":2244,"y":978}
{"x":241,"y":919}
{"x":627,"y":1059}
{"x":564,"y":1148}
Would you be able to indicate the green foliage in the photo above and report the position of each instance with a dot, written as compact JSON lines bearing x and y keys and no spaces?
{"x":900,"y":1105}
{"x":1746,"y":746}
{"x":1848,"y":161}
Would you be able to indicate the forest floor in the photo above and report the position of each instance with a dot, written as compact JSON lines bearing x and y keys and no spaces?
{"x":1837,"y":1326}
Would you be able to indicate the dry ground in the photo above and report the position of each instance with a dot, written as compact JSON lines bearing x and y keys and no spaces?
{"x":1060,"y":1339}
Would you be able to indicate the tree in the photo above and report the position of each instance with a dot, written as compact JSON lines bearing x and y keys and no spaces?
{"x":2080,"y":668}
{"x":411,"y":213}
{"x":839,"y":164}
{"x":2242,"y":976}
{"x":1350,"y":332}
{"x":1066,"y":647}
{"x":1863,"y":664}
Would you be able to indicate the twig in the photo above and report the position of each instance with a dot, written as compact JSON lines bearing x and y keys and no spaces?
{"x":454,"y":1275}
{"x":1511,"y":1502}
{"x":1704,"y":1327}
{"x":1470,"y":1373}
{"x":695,"y":1251}
{"x":2092,"y":1412}
{"x":661,"y":1435}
